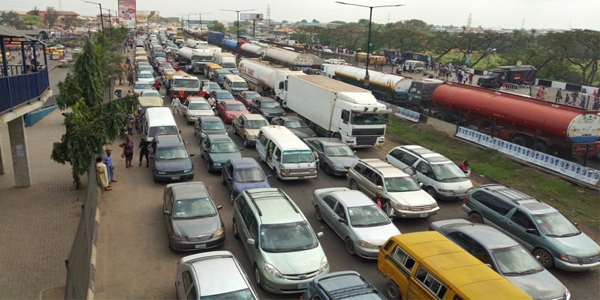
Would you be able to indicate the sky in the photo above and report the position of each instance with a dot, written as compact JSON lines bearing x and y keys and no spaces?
{"x":538,"y":14}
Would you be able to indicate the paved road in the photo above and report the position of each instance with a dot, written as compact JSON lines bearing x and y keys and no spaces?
{"x":135,"y":261}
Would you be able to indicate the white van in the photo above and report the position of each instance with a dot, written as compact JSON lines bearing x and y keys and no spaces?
{"x":235,"y":84}
{"x":158,"y":121}
{"x":285,"y":153}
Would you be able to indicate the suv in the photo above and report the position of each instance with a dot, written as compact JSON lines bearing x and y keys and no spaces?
{"x":542,"y":229}
{"x":399,"y":193}
{"x":282,"y":247}
{"x":171,"y":159}
{"x":341,"y":285}
{"x":440,"y":177}
{"x":248,"y":126}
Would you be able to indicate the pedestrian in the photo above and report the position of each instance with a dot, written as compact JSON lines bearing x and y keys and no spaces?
{"x":596,"y":105}
{"x":316,"y":157}
{"x":157,"y":85}
{"x":130,"y":78}
{"x":567,"y":99}
{"x":175,"y":104}
{"x":558,"y":95}
{"x":144,"y":151}
{"x":101,"y":174}
{"x":583,"y":103}
{"x":109,"y":165}
{"x":459,"y":76}
{"x":127,"y":151}
{"x":471,"y":78}
{"x":541,"y":93}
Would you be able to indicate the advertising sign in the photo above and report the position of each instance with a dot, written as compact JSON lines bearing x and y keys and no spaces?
{"x":251,"y":17}
{"x":143,"y":15}
{"x":408,"y":114}
{"x":127,"y":11}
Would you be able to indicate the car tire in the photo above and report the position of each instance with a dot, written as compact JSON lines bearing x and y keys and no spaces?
{"x":349,"y":244}
{"x":337,"y":136}
{"x":208,"y":167}
{"x":544,"y":258}
{"x":318,"y":214}
{"x":476,"y":218}
{"x":327,"y":169}
{"x":245,"y":144}
{"x":222,"y":177}
{"x":276,"y":173}
{"x":257,"y":277}
{"x":236,"y":234}
{"x":353,"y":185}
{"x":391,"y":290}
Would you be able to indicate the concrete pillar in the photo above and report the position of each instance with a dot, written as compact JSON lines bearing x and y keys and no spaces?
{"x":18,"y":149}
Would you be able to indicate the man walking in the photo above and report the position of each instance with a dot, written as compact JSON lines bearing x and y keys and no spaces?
{"x":175,"y":103}
{"x":109,"y":166}
{"x":144,"y":151}
{"x":558,"y":95}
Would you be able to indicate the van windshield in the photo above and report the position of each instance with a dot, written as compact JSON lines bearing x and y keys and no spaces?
{"x":186,"y":83}
{"x":229,"y":65}
{"x":448,"y":171}
{"x":240,"y":85}
{"x":162,"y":130}
{"x":298,"y":156}
{"x":287,"y":237}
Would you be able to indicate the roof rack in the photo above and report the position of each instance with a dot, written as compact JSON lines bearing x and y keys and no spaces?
{"x":512,"y":194}
{"x":281,"y":193}
{"x":254,"y":202}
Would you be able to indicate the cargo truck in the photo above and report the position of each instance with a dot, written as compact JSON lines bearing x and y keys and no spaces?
{"x":225,"y":60}
{"x":197,"y":57}
{"x":336,"y":109}
{"x":266,"y":79}
{"x":508,"y":74}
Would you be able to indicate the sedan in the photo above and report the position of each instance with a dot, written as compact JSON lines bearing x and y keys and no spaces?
{"x":218,"y":149}
{"x":241,"y":174}
{"x":355,"y":218}
{"x":193,"y":220}
{"x":505,"y":256}
{"x":196,"y":107}
{"x":212,"y":275}
{"x":150,"y":93}
{"x":145,"y":76}
{"x":267,"y":107}
{"x":68,"y":57}
{"x":246,"y":97}
{"x":296,"y":125}
{"x":216,"y":96}
{"x":138,"y":87}
{"x":229,"y":109}
{"x":207,"y":125}
{"x":335,"y":157}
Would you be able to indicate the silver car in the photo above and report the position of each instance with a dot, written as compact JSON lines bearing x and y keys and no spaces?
{"x":335,"y":157}
{"x":212,"y":275}
{"x":505,"y":256}
{"x":355,"y":218}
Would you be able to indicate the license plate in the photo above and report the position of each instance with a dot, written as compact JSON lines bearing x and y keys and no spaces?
{"x":423,"y":215}
{"x":303,"y":286}
{"x":200,"y":246}
{"x":301,"y":177}
{"x":175,"y":178}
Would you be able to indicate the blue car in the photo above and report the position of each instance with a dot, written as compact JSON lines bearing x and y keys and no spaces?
{"x":241,"y":174}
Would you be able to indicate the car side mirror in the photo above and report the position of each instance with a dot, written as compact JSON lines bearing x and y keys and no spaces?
{"x":379,"y":188}
{"x":166,"y":212}
{"x":531,"y":230}
{"x":420,"y":184}
{"x":320,"y":235}
{"x":219,"y":207}
{"x":343,"y":221}
{"x":192,"y":154}
{"x":251,"y":242}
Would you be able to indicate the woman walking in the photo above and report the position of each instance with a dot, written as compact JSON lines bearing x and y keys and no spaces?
{"x":127,"y":151}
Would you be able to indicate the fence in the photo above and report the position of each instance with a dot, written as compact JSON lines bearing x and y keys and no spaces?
{"x":20,"y":89}
{"x":80,"y":268}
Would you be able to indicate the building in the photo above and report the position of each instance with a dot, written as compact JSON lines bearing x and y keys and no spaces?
{"x":61,"y":16}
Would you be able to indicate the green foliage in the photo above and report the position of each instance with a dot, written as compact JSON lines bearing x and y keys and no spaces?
{"x":29,"y":21}
{"x":216,"y":26}
{"x":11,"y":18}
{"x":51,"y":16}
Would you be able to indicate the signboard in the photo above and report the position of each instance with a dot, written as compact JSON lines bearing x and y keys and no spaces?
{"x":127,"y":11}
{"x":408,"y":114}
{"x":143,"y":15}
{"x":251,"y":17}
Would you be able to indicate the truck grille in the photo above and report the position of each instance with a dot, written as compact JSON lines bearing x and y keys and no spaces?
{"x":368,"y":131}
{"x":301,"y":276}
{"x":302,"y":171}
{"x":366,"y":140}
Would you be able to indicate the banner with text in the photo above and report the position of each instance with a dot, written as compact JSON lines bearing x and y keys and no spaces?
{"x":144,"y":15}
{"x":127,"y":12}
{"x":559,"y":165}
{"x":408,"y":114}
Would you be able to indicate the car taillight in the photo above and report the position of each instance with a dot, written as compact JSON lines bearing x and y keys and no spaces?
{"x":466,"y":198}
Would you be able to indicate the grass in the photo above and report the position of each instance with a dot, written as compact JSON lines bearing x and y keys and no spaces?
{"x":580,"y":204}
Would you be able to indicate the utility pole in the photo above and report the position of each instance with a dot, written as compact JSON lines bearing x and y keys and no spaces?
{"x":101,"y":17}
{"x":238,"y":27}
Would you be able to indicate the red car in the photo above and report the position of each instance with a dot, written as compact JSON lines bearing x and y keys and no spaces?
{"x":246,"y":97}
{"x":229,"y":109}
{"x":175,"y":66}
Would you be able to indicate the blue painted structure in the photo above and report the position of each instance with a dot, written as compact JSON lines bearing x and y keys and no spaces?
{"x":215,"y":38}
{"x":230,"y":45}
{"x":37,"y":115}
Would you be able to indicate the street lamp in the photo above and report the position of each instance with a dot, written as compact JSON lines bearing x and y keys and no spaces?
{"x":238,"y":25}
{"x":488,"y":52}
{"x":110,"y":16}
{"x":200,"y":18}
{"x":101,"y":18}
{"x":366,"y":81}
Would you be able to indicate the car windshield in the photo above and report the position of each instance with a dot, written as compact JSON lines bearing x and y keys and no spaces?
{"x":193,"y":208}
{"x":229,"y":65}
{"x":555,"y":225}
{"x":287,"y":237}
{"x":339,"y":150}
{"x":214,"y":86}
{"x":199,"y":106}
{"x":145,"y":75}
{"x":256,"y":124}
{"x":186,"y":83}
{"x":225,"y":147}
{"x":162,"y":130}
{"x":249,"y":175}
{"x":296,"y":124}
{"x":166,"y":153}
{"x":515,"y":260}
{"x":296,"y":157}
{"x":251,"y":95}
{"x":240,"y":85}
{"x":236,"y":107}
{"x":224,"y":95}
{"x":150,"y":94}
{"x":368,"y":119}
{"x":213,"y":125}
{"x":270,"y":104}
{"x":236,"y":295}
{"x":447,"y":171}
{"x":142,"y":86}
{"x":401,"y":184}
{"x":367,"y":216}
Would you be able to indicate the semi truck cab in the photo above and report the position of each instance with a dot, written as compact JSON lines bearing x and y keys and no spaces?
{"x":508,"y":74}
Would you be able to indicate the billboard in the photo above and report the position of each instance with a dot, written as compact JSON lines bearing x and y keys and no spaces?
{"x":127,"y":12}
{"x":251,"y":17}
{"x":143,"y":15}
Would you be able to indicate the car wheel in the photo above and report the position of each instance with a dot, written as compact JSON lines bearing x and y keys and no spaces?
{"x":245,"y":144}
{"x":276,"y":173}
{"x":391,"y":290}
{"x":257,"y":276}
{"x":476,"y":218}
{"x":350,"y":246}
{"x":318,"y":214}
{"x":431,"y":191}
{"x":353,"y":185}
{"x":236,"y":234}
{"x":544,"y":258}
{"x":327,"y":169}
{"x":222,"y":177}
{"x":208,"y":168}
{"x":234,"y":131}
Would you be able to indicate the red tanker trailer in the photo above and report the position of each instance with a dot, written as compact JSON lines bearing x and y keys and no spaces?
{"x":542,"y":126}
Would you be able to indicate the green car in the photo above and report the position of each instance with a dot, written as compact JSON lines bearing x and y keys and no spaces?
{"x":218,"y":149}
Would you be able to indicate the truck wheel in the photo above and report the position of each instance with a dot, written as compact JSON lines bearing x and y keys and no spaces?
{"x":541,"y":147}
{"x":337,"y":136}
{"x":521,"y":141}
{"x":415,"y":108}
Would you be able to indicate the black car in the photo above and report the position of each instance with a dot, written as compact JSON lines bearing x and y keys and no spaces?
{"x":218,"y":149}
{"x":171,"y":159}
{"x":267,"y":107}
{"x":208,"y":125}
{"x":341,"y":285}
{"x":295,"y":125}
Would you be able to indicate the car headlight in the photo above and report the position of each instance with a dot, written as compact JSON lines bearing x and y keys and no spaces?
{"x":252,"y":136}
{"x":365,"y":244}
{"x":203,"y":135}
{"x":219,"y":232}
{"x":178,"y":237}
{"x":271,"y":270}
{"x":568,"y":258}
{"x":402,"y":207}
{"x":186,"y":171}
{"x":567,"y":294}
{"x":434,"y":205}
{"x":266,"y":113}
{"x":324,"y":265}
{"x":216,"y":164}
{"x":162,"y":173}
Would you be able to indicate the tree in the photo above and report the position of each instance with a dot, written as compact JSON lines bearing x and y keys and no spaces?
{"x":12,"y":18}
{"x":51,"y":16}
{"x":351,"y":34}
{"x":581,"y":48}
{"x":35,"y":11}
{"x":216,"y":26}
{"x":69,"y":22}
{"x":315,"y":21}
{"x":31,"y":20}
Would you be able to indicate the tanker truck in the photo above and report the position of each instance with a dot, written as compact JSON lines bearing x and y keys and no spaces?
{"x":547,"y":127}
{"x":336,"y":109}
{"x":291,"y":59}
{"x":263,"y":78}
{"x":197,"y":57}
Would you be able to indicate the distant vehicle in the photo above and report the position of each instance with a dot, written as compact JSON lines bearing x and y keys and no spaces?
{"x":145,"y":76}
{"x":196,"y":107}
{"x":208,"y":125}
{"x":68,"y":57}
{"x":341,"y":285}
{"x":138,"y":87}
{"x":242,"y":174}
{"x":216,"y":96}
{"x":171,"y":160}
{"x":63,"y":63}
{"x":508,"y":74}
{"x":248,"y":126}
{"x":217,"y":150}
{"x":150,"y":93}
{"x":335,"y":157}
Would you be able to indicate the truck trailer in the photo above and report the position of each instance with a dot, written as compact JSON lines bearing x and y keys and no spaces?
{"x":225,"y":60}
{"x":264,"y":78}
{"x":336,"y":109}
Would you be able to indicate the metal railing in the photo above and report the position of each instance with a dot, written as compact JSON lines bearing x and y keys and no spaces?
{"x":20,"y":89}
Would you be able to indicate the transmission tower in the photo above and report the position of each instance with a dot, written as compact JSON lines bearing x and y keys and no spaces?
{"x":469,"y":21}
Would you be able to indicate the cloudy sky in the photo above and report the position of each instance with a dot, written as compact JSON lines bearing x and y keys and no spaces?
{"x":557,"y":14}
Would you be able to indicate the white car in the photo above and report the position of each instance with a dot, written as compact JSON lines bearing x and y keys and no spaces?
{"x":145,"y":76}
{"x":138,"y":87}
{"x":150,"y":93}
{"x":196,"y":107}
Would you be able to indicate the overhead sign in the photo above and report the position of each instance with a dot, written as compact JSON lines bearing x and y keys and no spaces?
{"x":251,"y":17}
{"x":127,"y":9}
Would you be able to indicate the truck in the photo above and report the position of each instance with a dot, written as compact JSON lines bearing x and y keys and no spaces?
{"x":197,"y":57}
{"x":499,"y":76}
{"x":225,"y":60}
{"x":231,"y":45}
{"x":291,"y":59}
{"x":547,"y":127}
{"x":336,"y":109}
{"x":264,"y":78}
{"x":182,"y":85}
{"x":253,"y":49}
{"x":215,"y":38}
